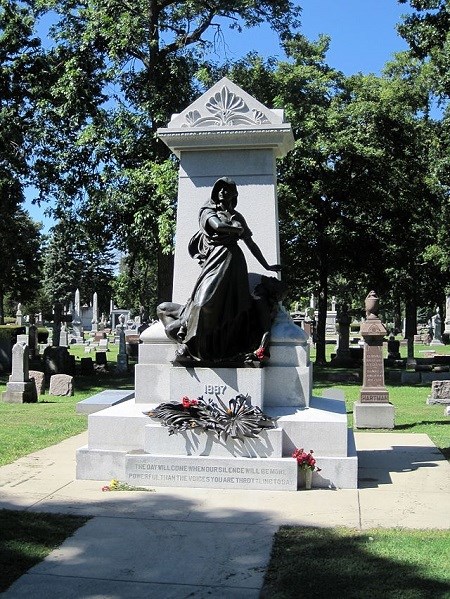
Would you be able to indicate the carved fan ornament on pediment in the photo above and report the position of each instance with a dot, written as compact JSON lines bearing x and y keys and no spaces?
{"x":374,"y":329}
{"x":226,"y":109}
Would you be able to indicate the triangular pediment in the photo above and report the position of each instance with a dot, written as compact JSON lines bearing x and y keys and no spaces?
{"x":225,"y":104}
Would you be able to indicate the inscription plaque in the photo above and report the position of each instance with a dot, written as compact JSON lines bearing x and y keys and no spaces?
{"x":178,"y":471}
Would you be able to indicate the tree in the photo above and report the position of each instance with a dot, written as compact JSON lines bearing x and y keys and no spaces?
{"x":119,"y":71}
{"x":345,"y":191}
{"x":427,"y":64}
{"x":135,"y":286}
{"x":20,"y":251}
{"x":427,"y":33}
{"x":74,"y":261}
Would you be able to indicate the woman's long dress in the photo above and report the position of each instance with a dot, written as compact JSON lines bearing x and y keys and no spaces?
{"x":218,"y":318}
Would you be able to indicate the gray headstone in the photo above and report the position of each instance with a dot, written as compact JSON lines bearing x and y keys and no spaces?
{"x":39,"y":380}
{"x":19,"y":388}
{"x":61,"y":384}
{"x":440,"y":392}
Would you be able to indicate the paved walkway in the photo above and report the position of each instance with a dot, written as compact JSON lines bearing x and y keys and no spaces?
{"x":215,"y":544}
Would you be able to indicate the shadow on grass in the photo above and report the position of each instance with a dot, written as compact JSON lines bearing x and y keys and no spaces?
{"x":422,"y":422}
{"x":108,"y":379}
{"x":311,"y":562}
{"x":26,"y":538}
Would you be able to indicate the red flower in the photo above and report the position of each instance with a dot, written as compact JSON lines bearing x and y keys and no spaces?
{"x":187,"y":403}
{"x":260,"y":353}
{"x":305,"y":460}
{"x":106,"y":488}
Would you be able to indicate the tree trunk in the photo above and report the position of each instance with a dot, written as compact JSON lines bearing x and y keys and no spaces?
{"x":410,"y":328}
{"x":321,"y":319}
{"x":165,"y":277}
{"x":2,"y":313}
{"x":398,"y":316}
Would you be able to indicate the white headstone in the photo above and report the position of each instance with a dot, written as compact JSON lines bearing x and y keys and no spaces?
{"x":94,"y":311}
{"x":437,"y":329}
{"x":447,"y":315}
{"x":77,"y":313}
{"x":19,"y":373}
{"x":19,"y":316}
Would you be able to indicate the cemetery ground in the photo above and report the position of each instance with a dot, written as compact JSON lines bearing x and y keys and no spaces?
{"x":311,"y":562}
{"x":393,"y":563}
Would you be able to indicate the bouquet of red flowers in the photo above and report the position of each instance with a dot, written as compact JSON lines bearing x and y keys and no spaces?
{"x":305,"y":460}
{"x":188,"y":403}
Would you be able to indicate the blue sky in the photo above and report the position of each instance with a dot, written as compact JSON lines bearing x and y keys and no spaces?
{"x":363,"y":39}
{"x":363,"y":34}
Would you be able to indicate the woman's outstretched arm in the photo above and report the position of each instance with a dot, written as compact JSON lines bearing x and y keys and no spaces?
{"x":258,"y":255}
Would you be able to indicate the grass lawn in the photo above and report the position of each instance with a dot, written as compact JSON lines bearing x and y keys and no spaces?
{"x":25,"y":428}
{"x":339,"y":562}
{"x":27,"y":538}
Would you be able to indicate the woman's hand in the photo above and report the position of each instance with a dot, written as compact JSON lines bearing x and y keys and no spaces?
{"x":237,"y":225}
{"x":274,"y":267}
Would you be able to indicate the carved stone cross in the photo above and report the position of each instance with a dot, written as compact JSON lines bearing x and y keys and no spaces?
{"x":58,"y":317}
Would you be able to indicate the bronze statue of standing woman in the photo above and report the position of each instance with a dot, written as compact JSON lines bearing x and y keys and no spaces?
{"x":220,"y":321}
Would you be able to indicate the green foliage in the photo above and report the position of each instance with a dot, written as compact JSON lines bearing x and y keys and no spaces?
{"x":20,"y":249}
{"x":136,"y":285}
{"x":85,"y":113}
{"x":427,"y":33}
{"x":9,"y":332}
{"x":362,"y":157}
{"x":117,"y":73}
{"x":75,"y":260}
{"x":19,"y":236}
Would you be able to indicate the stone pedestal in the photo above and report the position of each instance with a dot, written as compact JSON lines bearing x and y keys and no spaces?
{"x":374,"y":409}
{"x":286,"y":380}
{"x":376,"y":415}
{"x":224,"y":383}
{"x":20,"y":392}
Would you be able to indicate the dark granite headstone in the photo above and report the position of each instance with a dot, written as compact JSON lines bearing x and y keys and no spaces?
{"x":57,"y":360}
{"x":100,"y":358}
{"x":343,"y":357}
{"x":86,"y":366}
{"x":393,"y":347}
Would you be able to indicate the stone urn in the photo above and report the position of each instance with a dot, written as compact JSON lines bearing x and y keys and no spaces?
{"x":371,"y":305}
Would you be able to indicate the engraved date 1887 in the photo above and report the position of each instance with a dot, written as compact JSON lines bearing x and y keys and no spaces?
{"x":213,"y":389}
